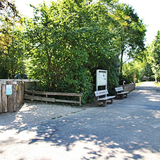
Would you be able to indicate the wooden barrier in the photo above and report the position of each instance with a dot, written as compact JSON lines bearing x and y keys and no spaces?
{"x":30,"y":95}
{"x":129,"y":87}
{"x":4,"y":98}
{"x":10,"y":103}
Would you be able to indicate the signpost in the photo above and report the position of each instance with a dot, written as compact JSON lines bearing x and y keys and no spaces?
{"x":8,"y":90}
{"x":101,"y":78}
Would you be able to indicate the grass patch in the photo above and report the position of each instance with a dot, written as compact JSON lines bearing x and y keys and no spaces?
{"x":157,"y":84}
{"x":139,"y":83}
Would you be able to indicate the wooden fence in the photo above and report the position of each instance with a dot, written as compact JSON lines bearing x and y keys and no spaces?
{"x":10,"y":103}
{"x":129,"y":87}
{"x":43,"y":96}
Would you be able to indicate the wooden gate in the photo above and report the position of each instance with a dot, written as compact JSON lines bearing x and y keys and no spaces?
{"x":10,"y":103}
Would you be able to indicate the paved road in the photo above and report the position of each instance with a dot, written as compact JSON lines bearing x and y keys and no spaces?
{"x":126,"y":129}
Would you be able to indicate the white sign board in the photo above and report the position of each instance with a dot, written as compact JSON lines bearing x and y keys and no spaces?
{"x":8,"y":90}
{"x":101,"y":78}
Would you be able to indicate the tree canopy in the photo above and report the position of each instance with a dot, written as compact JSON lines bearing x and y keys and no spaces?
{"x":67,"y":41}
{"x":10,"y":39}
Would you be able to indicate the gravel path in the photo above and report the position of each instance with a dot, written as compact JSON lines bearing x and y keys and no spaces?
{"x":126,"y":129}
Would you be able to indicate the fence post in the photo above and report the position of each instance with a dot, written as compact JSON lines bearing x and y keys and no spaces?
{"x":19,"y":94}
{"x":10,"y":98}
{"x":14,"y":96}
{"x":4,"y":98}
{"x":11,"y":103}
{"x":22,"y":92}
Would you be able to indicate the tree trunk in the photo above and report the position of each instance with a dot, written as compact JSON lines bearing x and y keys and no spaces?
{"x":122,"y":50}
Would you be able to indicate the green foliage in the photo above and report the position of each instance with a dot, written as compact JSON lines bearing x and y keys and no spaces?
{"x":69,"y":40}
{"x":131,"y":32}
{"x":158,"y":78}
{"x":156,"y":56}
{"x":132,"y":72}
{"x":157,"y":84}
{"x":10,"y":40}
{"x":66,"y":42}
{"x":151,"y":64}
{"x":148,"y":73}
{"x":12,"y":57}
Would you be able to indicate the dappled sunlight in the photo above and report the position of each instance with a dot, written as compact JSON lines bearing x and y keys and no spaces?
{"x":128,"y":129}
{"x":145,"y":97}
{"x":156,"y":114}
{"x":155,"y":98}
{"x":11,"y":136}
{"x":31,"y":113}
{"x":81,"y":145}
{"x":148,"y":154}
{"x":93,"y":150}
{"x":51,"y":139}
{"x":124,"y":118}
{"x":82,"y":149}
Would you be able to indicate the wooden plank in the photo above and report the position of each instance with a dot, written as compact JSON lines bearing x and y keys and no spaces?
{"x":101,"y":93}
{"x":10,"y":99}
{"x":119,"y":88}
{"x":0,"y":99}
{"x":80,"y":99}
{"x":105,"y":98}
{"x":4,"y":98}
{"x":19,"y":94}
{"x":14,"y":97}
{"x":67,"y":101}
{"x":22,"y":92}
{"x":38,"y":98}
{"x":53,"y":93}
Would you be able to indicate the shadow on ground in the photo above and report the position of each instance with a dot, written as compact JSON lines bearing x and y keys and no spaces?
{"x":116,"y":134}
{"x":126,"y":130}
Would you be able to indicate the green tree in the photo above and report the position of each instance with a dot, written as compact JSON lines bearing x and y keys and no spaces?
{"x":57,"y":56}
{"x":132,"y":71}
{"x":155,"y":52}
{"x":12,"y":58}
{"x":10,"y":18}
{"x":67,"y":42}
{"x":131,"y":33}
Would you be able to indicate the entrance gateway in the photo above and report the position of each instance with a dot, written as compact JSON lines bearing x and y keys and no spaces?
{"x":101,"y":78}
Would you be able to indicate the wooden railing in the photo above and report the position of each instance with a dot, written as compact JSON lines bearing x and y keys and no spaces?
{"x":30,"y":95}
{"x":129,"y":87}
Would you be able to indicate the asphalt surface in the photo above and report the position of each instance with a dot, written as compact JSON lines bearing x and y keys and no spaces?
{"x":126,"y":129}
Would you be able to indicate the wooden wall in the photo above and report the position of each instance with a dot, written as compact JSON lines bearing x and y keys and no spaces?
{"x":129,"y":87}
{"x":12,"y":102}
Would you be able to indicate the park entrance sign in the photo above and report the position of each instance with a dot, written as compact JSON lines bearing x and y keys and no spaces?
{"x":101,"y":78}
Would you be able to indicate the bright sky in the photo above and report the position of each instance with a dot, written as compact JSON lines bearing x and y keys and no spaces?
{"x":147,"y":10}
{"x":25,"y":9}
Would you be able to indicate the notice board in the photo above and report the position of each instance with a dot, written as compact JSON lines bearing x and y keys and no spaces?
{"x":101,"y":78}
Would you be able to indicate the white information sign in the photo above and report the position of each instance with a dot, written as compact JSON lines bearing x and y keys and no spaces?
{"x":8,"y":90}
{"x":101,"y":78}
